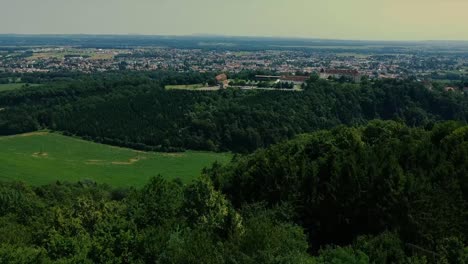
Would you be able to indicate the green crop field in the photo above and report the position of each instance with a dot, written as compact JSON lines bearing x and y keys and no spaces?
{"x":42,"y":157}
{"x":14,"y":86}
{"x":185,"y":87}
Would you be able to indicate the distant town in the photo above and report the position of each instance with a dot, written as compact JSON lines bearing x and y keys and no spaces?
{"x":279,"y":63}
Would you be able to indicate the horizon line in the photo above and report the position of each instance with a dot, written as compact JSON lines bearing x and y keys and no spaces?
{"x":201,"y":35}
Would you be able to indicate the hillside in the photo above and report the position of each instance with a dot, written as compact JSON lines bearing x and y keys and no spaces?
{"x":346,"y":182}
{"x":381,"y":193}
{"x":134,"y":110}
{"x":41,"y":158}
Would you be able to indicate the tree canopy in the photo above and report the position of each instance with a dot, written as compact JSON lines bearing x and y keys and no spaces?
{"x":380,"y":193}
{"x":134,"y":110}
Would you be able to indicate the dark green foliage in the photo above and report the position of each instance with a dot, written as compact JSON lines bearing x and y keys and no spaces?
{"x":452,"y":250}
{"x":266,"y":239}
{"x":384,"y":248}
{"x":382,"y":193}
{"x":158,"y":202}
{"x":164,"y":222}
{"x":342,"y":255}
{"x":352,"y":181}
{"x":21,"y":255}
{"x":134,"y":110}
{"x":204,"y":206}
{"x":386,"y":192}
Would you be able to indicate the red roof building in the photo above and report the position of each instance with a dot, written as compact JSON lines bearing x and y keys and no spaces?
{"x":221,"y":78}
{"x":295,"y":79}
{"x":338,"y":73}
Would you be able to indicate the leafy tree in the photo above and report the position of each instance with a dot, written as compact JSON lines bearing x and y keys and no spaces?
{"x":204,"y":206}
{"x":159,"y":201}
{"x":340,"y":255}
{"x":384,"y":248}
{"x":22,"y":255}
{"x":452,"y":250}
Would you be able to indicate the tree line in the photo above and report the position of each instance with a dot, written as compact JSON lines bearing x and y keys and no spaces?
{"x":409,"y":184}
{"x":134,"y":110}
{"x":381,"y":193}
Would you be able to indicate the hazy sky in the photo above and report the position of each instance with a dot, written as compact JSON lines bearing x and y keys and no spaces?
{"x":342,"y":19}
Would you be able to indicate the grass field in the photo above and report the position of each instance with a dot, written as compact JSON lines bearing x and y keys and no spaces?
{"x":60,"y":54}
{"x":352,"y":54}
{"x":14,"y":86}
{"x":185,"y":87}
{"x":42,"y":157}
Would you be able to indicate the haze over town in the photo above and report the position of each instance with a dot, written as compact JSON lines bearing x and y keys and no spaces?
{"x":234,"y":132}
{"x":332,"y":19}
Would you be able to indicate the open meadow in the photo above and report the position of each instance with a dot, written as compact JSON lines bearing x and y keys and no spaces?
{"x":14,"y":86}
{"x":41,"y":158}
{"x":93,"y":54}
{"x":185,"y":87}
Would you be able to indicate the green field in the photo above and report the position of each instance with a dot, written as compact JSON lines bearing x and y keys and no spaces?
{"x":60,"y":54}
{"x":185,"y":87}
{"x":42,"y":157}
{"x":14,"y":86}
{"x":352,"y":54}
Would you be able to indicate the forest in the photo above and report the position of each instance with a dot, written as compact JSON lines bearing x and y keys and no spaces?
{"x":134,"y":110}
{"x":380,"y":193}
{"x":341,"y":172}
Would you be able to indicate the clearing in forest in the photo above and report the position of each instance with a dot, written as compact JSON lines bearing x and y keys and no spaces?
{"x":41,"y":158}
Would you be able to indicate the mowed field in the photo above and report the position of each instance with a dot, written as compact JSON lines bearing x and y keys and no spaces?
{"x":192,"y":87}
{"x":14,"y":86}
{"x":185,"y":87}
{"x":41,"y":158}
{"x":60,"y":54}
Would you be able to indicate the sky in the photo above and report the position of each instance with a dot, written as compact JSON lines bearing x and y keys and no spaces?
{"x":331,"y":19}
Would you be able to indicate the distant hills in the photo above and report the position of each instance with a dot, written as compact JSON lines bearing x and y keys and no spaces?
{"x":217,"y":42}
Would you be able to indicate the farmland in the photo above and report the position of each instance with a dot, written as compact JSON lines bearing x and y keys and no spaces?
{"x":42,"y":157}
{"x":185,"y":87}
{"x":93,"y":54}
{"x":14,"y":86}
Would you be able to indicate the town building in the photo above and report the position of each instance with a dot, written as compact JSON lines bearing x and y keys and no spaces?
{"x":222,"y":80}
{"x":335,"y":73}
{"x":294,"y":79}
{"x":450,"y":89}
{"x":267,"y":77}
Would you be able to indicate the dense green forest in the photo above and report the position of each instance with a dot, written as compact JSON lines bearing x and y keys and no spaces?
{"x":351,"y":181}
{"x":380,"y":193}
{"x":134,"y":109}
{"x":323,"y":182}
